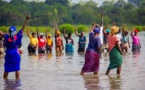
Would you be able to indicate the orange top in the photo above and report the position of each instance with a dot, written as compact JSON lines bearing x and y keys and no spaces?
{"x":58,"y":41}
{"x":112,"y":41}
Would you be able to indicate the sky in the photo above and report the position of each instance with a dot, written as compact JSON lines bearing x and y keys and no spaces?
{"x":76,"y":1}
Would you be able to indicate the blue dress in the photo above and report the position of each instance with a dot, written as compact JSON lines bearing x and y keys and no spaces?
{"x":12,"y":57}
{"x":69,"y":45}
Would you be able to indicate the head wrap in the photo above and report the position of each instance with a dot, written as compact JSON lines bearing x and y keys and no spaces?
{"x":49,"y":35}
{"x":58,"y":32}
{"x":108,"y":31}
{"x":41,"y":34}
{"x":114,"y":30}
{"x":96,"y":30}
{"x":136,"y":31}
{"x":12,"y":31}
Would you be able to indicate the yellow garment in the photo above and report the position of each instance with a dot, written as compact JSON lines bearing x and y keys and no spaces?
{"x":114,"y":30}
{"x":33,"y":41}
{"x":58,"y":32}
{"x":49,"y":41}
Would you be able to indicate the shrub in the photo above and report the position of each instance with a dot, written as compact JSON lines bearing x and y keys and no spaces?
{"x":81,"y":28}
{"x":4,"y":28}
{"x":139,"y":28}
{"x":68,"y":27}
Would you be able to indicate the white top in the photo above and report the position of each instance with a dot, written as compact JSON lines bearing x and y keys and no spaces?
{"x":101,"y":34}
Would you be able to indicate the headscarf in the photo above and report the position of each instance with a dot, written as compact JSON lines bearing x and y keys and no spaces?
{"x":108,"y":31}
{"x":49,"y":35}
{"x":58,"y":32}
{"x":12,"y":31}
{"x":136,"y":31}
{"x":114,"y":30}
{"x":96,"y":30}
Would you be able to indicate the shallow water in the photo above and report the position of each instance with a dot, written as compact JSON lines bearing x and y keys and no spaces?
{"x":48,"y":72}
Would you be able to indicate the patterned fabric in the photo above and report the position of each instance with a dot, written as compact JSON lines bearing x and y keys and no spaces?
{"x":135,"y":47}
{"x":91,"y":62}
{"x":69,"y":48}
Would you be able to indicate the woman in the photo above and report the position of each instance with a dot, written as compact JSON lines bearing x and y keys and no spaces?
{"x":82,"y":41}
{"x":49,"y":43}
{"x":58,"y":41}
{"x":41,"y":42}
{"x":12,"y":56}
{"x":33,"y":42}
{"x":114,"y":51}
{"x":125,"y":41}
{"x":69,"y":43}
{"x":136,"y":41}
{"x":92,"y":55}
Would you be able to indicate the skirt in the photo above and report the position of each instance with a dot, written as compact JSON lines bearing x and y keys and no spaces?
{"x":92,"y":62}
{"x":135,"y":47}
{"x":115,"y":58}
{"x":69,"y":48}
{"x":41,"y":49}
{"x":12,"y":60}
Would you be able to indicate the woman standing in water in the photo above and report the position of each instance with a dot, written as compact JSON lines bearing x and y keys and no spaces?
{"x":114,"y":51}
{"x":49,"y":43}
{"x":12,"y":57}
{"x":33,"y":42}
{"x":58,"y":41}
{"x":82,"y":41}
{"x":136,"y":41}
{"x":93,"y":51}
{"x":69,"y":42}
{"x":41,"y":42}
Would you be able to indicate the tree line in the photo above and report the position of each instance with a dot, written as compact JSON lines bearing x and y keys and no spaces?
{"x":52,"y":12}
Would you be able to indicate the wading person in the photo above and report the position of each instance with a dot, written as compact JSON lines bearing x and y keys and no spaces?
{"x":12,"y":56}
{"x":69,"y":42}
{"x":1,"y":45}
{"x":115,"y":55}
{"x":49,"y":43}
{"x":58,"y":41}
{"x":41,"y":42}
{"x":82,"y":41}
{"x":136,"y":41}
{"x":92,"y":55}
{"x":33,"y":42}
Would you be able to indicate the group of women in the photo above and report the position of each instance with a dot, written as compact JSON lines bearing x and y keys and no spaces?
{"x":114,"y":43}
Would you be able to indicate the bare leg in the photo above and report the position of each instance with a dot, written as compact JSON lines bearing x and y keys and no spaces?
{"x":5,"y":75}
{"x":107,"y":72}
{"x":17,"y":74}
{"x":82,"y":73}
{"x":119,"y":70}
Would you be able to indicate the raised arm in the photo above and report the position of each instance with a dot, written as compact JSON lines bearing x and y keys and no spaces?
{"x":64,"y":31}
{"x":37,"y":32}
{"x":25,"y":23}
{"x":56,"y":29}
{"x":102,"y":20}
{"x":132,"y":33}
{"x":28,"y":31}
{"x":123,"y":28}
{"x":1,"y":33}
{"x":93,"y":26}
{"x":76,"y":32}
{"x":104,"y":29}
{"x":46,"y":33}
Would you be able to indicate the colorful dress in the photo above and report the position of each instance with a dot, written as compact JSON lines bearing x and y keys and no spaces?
{"x":92,"y":56}
{"x":41,"y":45}
{"x":69,"y":45}
{"x":12,"y":57}
{"x":125,"y":40}
{"x":135,"y":43}
{"x":82,"y":44}
{"x":114,"y":54}
{"x":32,"y":45}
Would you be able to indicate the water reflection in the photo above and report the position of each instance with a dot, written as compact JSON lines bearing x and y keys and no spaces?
{"x":136,"y":54}
{"x":11,"y":84}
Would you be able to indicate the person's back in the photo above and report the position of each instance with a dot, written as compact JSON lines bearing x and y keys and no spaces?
{"x":112,"y":41}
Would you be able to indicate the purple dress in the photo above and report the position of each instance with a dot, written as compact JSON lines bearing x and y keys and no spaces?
{"x":12,"y":57}
{"x":92,"y":56}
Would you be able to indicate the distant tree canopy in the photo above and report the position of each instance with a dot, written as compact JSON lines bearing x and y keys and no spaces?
{"x":56,"y":12}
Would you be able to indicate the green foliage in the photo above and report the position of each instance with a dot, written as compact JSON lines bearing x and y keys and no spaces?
{"x":139,"y":28}
{"x":4,"y":28}
{"x":81,"y":28}
{"x":67,"y":27}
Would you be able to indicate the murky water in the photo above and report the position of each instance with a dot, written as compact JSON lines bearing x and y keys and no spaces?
{"x":48,"y":72}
